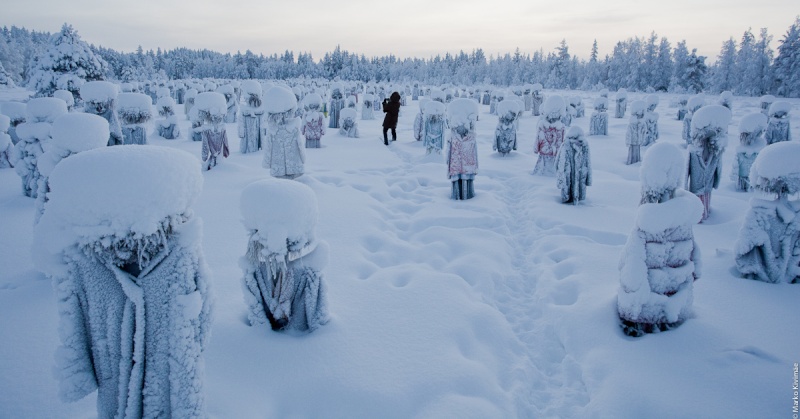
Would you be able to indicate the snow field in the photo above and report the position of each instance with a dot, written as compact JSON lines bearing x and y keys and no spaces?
{"x":499,"y":306}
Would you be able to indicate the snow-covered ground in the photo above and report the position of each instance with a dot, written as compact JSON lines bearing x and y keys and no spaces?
{"x":500,"y":306}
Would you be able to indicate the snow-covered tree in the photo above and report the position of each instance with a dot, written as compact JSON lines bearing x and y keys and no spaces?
{"x":787,"y":63}
{"x":67,"y":64}
{"x":724,"y":76}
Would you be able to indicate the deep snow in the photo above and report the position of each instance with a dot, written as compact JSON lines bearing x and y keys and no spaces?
{"x":500,"y":306}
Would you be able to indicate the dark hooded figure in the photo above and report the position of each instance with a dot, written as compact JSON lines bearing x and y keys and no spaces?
{"x":391,"y":107}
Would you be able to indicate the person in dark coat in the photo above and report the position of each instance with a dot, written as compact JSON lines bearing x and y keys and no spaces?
{"x":391,"y":107}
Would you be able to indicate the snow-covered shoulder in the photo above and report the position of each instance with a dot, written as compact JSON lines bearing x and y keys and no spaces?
{"x":684,"y":209}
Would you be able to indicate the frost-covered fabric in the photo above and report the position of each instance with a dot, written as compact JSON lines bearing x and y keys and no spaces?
{"x":251,"y":123}
{"x":215,"y":143}
{"x":598,"y":123}
{"x":284,"y":156}
{"x":167,"y":127}
{"x":433,"y":126}
{"x":462,"y":149}
{"x":636,"y":132}
{"x":283,"y":281}
{"x":313,"y":128}
{"x":693,"y":105}
{"x":682,"y":108}
{"x":751,"y":127}
{"x":337,"y":104}
{"x":505,"y":134}
{"x":766,"y":101}
{"x":537,"y":99}
{"x":549,"y":136}
{"x":231,"y":103}
{"x":419,"y":120}
{"x":778,"y":127}
{"x":573,"y":167}
{"x":130,"y":278}
{"x":100,"y":99}
{"x":367,"y":112}
{"x":659,"y":264}
{"x":6,"y":145}
{"x":348,"y":125}
{"x":768,"y":247}
{"x":621,"y":103}
{"x":709,"y":138}
{"x":651,"y":120}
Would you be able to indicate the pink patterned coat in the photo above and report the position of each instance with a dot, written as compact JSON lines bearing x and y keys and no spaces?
{"x":462,"y":155}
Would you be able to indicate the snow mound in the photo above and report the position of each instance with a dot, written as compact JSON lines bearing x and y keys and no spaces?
{"x":347,"y":113}
{"x":44,"y":109}
{"x":251,"y":87}
{"x":695,"y":102}
{"x":77,"y":132}
{"x":87,"y":203}
{"x":575,"y":132}
{"x":66,"y":96}
{"x":279,"y":99}
{"x":601,"y":103}
{"x":752,"y":122}
{"x":554,"y":104}
{"x":663,"y":168}
{"x":714,"y":117}
{"x":432,"y":107}
{"x":225,"y":89}
{"x":279,"y":212}
{"x":462,"y":111}
{"x":134,"y":107}
{"x":637,"y":107}
{"x":212,"y":102}
{"x":98,"y":91}
{"x":776,"y":168}
{"x":14,"y":110}
{"x":767,"y":99}
{"x":779,"y":107}
{"x":437,"y":95}
{"x":166,"y":102}
{"x":509,"y":106}
{"x":622,"y":94}
{"x":312,"y":99}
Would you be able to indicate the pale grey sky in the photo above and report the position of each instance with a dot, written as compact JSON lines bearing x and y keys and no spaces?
{"x":410,"y":28}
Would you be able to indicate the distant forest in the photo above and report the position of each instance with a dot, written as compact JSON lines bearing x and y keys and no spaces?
{"x":747,"y":66}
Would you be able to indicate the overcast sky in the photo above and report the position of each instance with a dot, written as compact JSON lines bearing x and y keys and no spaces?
{"x":406,"y":28}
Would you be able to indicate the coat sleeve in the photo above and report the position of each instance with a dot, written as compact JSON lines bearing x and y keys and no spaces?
{"x":74,"y":366}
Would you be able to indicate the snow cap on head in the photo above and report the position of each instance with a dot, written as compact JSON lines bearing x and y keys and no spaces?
{"x":554,"y":104}
{"x":191,"y":93}
{"x":779,"y":107}
{"x":462,"y":111}
{"x":279,"y":99}
{"x":279,"y":211}
{"x":506,"y":106}
{"x":752,"y":122}
{"x":77,"y":132}
{"x":437,"y":95}
{"x":601,"y":103}
{"x":98,"y":91}
{"x":574,"y":132}
{"x":726,"y":95}
{"x":767,"y":99}
{"x":162,"y":92}
{"x":651,"y":100}
{"x":86,"y":203}
{"x":66,"y":96}
{"x":695,"y":102}
{"x":776,"y":169}
{"x":637,"y":107}
{"x":14,"y":110}
{"x":225,"y":89}
{"x":134,"y":101}
{"x":711,"y":117}
{"x":166,"y":101}
{"x":622,"y":93}
{"x":432,"y":107}
{"x":348,"y":113}
{"x":251,"y":87}
{"x":312,"y":99}
{"x":662,"y":168}
{"x":212,"y":102}
{"x":537,"y":86}
{"x":44,"y":109}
